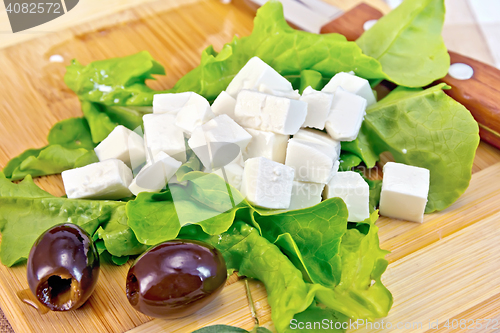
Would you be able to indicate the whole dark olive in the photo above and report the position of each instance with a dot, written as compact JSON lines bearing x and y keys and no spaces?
{"x":176,"y":278}
{"x":63,"y":267}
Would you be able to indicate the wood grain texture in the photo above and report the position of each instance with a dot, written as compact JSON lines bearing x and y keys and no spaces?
{"x":462,"y":239}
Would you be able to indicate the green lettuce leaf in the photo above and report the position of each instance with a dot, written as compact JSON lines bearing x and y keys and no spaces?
{"x":103,"y":119}
{"x":428,"y":129}
{"x":205,"y":200}
{"x":229,"y":329}
{"x":311,"y":78}
{"x":360,"y":293}
{"x":119,"y":240}
{"x":287,"y":50}
{"x":310,"y":236}
{"x":325,"y":318}
{"x":193,"y":163}
{"x":20,"y":230}
{"x":362,"y":148}
{"x":408,"y":43}
{"x":70,"y":146}
{"x":254,"y":256}
{"x":349,"y":161}
{"x":116,"y":81}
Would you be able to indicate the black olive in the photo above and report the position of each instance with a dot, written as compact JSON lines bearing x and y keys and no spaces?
{"x":176,"y":278}
{"x":63,"y":267}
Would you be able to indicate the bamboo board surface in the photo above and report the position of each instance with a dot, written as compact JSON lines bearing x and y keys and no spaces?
{"x":442,"y":269}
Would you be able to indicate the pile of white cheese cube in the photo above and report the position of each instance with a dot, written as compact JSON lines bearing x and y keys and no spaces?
{"x":262,"y":137}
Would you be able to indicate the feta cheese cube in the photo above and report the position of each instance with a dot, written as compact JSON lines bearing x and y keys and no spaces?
{"x":305,"y":194}
{"x":404,"y":192}
{"x":224,"y":104}
{"x":266,"y":183}
{"x":161,"y":134}
{"x":346,"y":116}
{"x":292,"y":94}
{"x":266,"y":144}
{"x":312,"y":162}
{"x":253,"y":74}
{"x":319,"y":105}
{"x":194,"y":113}
{"x":108,"y":179}
{"x":353,"y":84}
{"x":269,"y":113}
{"x":315,"y":136}
{"x":335,"y":169}
{"x":170,"y":103}
{"x":352,"y":188}
{"x":218,"y":141}
{"x":122,"y":144}
{"x":154,"y":175}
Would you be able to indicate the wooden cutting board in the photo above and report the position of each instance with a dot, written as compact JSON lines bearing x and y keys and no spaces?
{"x":443,"y":269}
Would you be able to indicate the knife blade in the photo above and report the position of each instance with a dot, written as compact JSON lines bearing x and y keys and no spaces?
{"x":308,"y":15}
{"x":480,"y":94}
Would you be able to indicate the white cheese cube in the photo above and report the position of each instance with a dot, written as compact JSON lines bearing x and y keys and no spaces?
{"x":312,"y":162}
{"x":346,"y":116}
{"x":154,"y":175}
{"x":253,"y":74}
{"x":161,"y":134}
{"x":219,"y":141}
{"x":305,"y":194}
{"x":122,"y":144}
{"x":170,"y":103}
{"x":292,"y":94}
{"x":335,"y":169}
{"x":224,"y":104}
{"x":266,"y":144}
{"x":194,"y":113}
{"x":108,"y":179}
{"x":267,"y":184}
{"x":316,"y":136}
{"x":352,"y":188}
{"x":269,"y":113}
{"x":319,"y":105}
{"x":404,"y":192}
{"x":353,"y":84}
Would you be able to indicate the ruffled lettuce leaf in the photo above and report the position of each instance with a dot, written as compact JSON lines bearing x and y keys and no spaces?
{"x":310,"y":237}
{"x":408,"y":43}
{"x":103,"y":118}
{"x":206,"y":200}
{"x":311,"y":78}
{"x":118,"y":239}
{"x":115,"y":81}
{"x":287,"y":50}
{"x":229,"y":329}
{"x":362,"y":148}
{"x":360,"y":293}
{"x":348,"y":161}
{"x":70,"y":146}
{"x":20,"y":229}
{"x":428,"y":129}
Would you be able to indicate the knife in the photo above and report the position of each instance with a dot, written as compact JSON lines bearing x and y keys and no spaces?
{"x":480,"y":93}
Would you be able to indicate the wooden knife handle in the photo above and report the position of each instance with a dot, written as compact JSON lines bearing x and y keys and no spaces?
{"x":480,"y":94}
